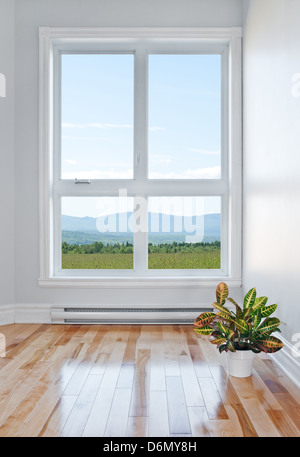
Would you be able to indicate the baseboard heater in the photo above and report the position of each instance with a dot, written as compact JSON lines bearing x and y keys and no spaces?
{"x":77,"y":315}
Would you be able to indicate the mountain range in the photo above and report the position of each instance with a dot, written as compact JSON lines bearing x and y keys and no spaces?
{"x":85,"y":230}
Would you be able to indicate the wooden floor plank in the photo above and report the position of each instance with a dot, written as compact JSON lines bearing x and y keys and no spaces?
{"x":140,"y":392}
{"x":192,"y":391}
{"x":126,"y":376}
{"x":97,"y":420}
{"x":284,"y":424}
{"x":135,"y":332}
{"x":52,"y":387}
{"x":119,"y":412}
{"x":200,"y":423}
{"x":158,"y":423}
{"x":137,"y":426}
{"x":291,"y":388}
{"x":255,"y":410}
{"x":136,"y":380}
{"x":178,"y":416}
{"x":42,"y":398}
{"x":170,"y":352}
{"x":157,"y":379}
{"x":77,"y":419}
{"x":222,"y":428}
{"x":10,"y":400}
{"x":212,"y":400}
{"x":240,"y":420}
{"x":289,"y":405}
{"x":200,"y":365}
{"x":58,"y":417}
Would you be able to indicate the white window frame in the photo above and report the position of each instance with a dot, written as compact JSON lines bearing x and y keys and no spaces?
{"x":224,"y":41}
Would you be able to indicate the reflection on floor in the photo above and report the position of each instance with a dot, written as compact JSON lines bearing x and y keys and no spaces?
{"x":139,"y":380}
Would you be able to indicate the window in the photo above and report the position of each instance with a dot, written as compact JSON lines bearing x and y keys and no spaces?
{"x":140,"y":154}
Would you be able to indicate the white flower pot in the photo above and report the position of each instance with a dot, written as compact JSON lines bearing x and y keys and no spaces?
{"x":240,"y":363}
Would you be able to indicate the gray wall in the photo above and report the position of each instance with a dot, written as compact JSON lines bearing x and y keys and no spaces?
{"x":271,"y":156}
{"x":31,"y":14}
{"x":7,"y":253}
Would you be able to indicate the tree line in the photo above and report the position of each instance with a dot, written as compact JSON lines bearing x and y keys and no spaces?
{"x":127,"y":248}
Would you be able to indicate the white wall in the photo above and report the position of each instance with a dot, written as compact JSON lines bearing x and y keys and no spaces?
{"x":272,"y":156}
{"x":31,"y":14}
{"x":7,"y":154}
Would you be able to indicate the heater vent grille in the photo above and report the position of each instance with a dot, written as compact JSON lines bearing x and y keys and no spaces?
{"x":133,"y":310}
{"x":102,"y":315}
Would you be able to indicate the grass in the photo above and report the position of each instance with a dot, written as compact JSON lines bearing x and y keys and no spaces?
{"x":200,"y":259}
{"x":203,"y":259}
{"x":97,"y":261}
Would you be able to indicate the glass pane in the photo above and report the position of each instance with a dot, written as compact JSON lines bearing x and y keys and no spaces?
{"x":97,"y":116}
{"x":184,"y":116}
{"x":184,"y":233}
{"x":95,"y":233}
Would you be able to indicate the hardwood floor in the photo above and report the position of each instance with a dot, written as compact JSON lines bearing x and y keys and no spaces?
{"x":139,"y":380}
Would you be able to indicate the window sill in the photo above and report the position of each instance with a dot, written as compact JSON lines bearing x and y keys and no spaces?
{"x":138,"y":283}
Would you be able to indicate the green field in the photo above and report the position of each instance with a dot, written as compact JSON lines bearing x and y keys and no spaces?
{"x":164,"y":256}
{"x":97,"y":261}
{"x":185,"y":260}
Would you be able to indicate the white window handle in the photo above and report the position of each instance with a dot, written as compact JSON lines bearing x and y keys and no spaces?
{"x":82,"y":181}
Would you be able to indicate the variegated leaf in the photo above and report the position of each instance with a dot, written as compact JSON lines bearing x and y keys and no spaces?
{"x":230,"y":346}
{"x":222,"y":308}
{"x":256,"y":319}
{"x":270,"y":344}
{"x":268,"y":326}
{"x":237,"y":307}
{"x":203,"y":330}
{"x":268,"y":310}
{"x":222,"y":327}
{"x":219,"y":340}
{"x":204,"y":319}
{"x":242,"y":326}
{"x":250,"y":298}
{"x":259,"y":303}
{"x":222,"y":293}
{"x":222,"y":348}
{"x":230,"y":334}
{"x":225,"y":316}
{"x":225,"y":330}
{"x":216,"y":333}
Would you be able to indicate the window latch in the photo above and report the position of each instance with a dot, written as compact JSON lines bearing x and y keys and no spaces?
{"x":82,"y":181}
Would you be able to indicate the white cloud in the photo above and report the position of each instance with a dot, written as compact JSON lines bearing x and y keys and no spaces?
{"x":204,"y":151}
{"x":200,"y":173}
{"x":161,"y":159}
{"x":156,"y":129}
{"x":70,"y":161}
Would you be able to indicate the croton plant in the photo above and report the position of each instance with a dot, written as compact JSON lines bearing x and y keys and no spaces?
{"x":249,"y":327}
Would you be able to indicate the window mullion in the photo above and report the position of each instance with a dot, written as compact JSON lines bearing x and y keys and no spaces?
{"x":141,"y":115}
{"x":141,"y":160}
{"x":141,"y":235}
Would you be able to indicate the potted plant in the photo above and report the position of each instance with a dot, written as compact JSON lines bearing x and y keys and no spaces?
{"x":241,"y":333}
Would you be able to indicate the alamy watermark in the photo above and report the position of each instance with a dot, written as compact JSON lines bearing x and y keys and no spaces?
{"x":296,"y":85}
{"x":175,"y":214}
{"x":296,"y":346}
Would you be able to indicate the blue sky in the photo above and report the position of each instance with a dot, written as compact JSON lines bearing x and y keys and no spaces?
{"x":98,"y":117}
